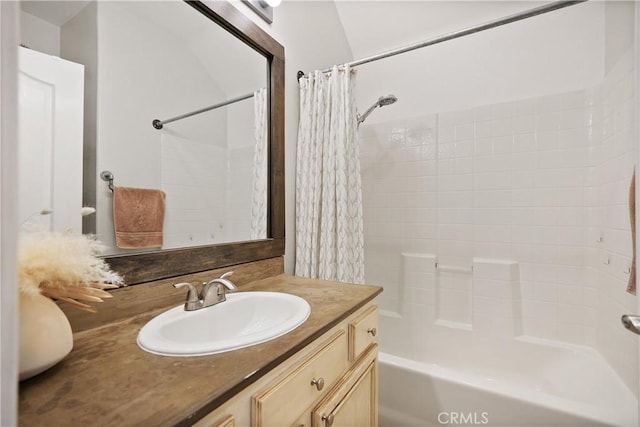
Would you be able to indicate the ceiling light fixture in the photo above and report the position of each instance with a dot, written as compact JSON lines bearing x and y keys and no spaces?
{"x":263,"y":8}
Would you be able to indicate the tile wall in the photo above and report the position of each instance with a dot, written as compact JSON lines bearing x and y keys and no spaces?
{"x":531,"y":185}
{"x":202,"y":181}
{"x":524,"y":193}
{"x":399,"y":184}
{"x":208,"y":185}
{"x":192,"y":174}
{"x":608,"y":175}
{"x":239,"y":177}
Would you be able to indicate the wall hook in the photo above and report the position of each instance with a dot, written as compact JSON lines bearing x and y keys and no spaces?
{"x":107,"y":176}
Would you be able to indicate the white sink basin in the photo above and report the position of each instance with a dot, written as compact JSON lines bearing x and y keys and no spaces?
{"x":243,"y":320}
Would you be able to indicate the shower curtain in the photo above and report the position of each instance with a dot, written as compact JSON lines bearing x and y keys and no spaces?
{"x":260,"y":167}
{"x":329,"y":224}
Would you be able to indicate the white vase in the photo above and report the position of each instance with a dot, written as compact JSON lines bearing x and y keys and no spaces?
{"x":45,"y":335}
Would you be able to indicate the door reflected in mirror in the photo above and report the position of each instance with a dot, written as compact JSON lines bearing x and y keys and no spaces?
{"x":146,"y":61}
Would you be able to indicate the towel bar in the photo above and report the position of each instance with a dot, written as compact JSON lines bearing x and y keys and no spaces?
{"x":107,"y":176}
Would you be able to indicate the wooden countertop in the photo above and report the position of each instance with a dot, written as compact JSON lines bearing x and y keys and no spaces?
{"x":108,"y":380}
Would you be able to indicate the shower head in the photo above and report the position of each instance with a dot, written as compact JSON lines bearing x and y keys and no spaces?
{"x":381,"y":102}
{"x":387,"y":100}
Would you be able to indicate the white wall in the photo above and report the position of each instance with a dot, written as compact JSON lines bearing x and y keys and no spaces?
{"x":9,"y":223}
{"x":313,"y":38}
{"x":38,"y":34}
{"x":619,"y":31}
{"x":79,"y":43}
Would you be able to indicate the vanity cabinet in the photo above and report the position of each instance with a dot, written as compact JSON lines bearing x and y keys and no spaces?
{"x":326,"y":366}
{"x":353,"y":403}
{"x":331,"y":382}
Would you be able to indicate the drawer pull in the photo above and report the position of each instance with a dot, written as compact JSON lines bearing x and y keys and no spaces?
{"x":319,"y":383}
{"x":372,"y":331}
{"x":328,"y":420}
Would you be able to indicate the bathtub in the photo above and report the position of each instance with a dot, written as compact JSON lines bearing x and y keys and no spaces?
{"x":532,"y":383}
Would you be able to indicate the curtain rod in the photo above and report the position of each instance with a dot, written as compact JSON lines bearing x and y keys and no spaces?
{"x":461,"y":33}
{"x":159,"y":123}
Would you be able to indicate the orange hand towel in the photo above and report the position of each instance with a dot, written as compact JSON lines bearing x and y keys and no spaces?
{"x":138,"y":217}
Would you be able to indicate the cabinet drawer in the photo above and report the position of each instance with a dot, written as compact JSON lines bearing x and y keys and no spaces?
{"x":363,"y":331}
{"x":216,"y":420}
{"x":283,"y":401}
{"x":354,"y":401}
{"x":228,"y":422}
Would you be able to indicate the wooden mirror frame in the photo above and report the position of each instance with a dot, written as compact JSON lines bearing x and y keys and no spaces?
{"x":146,"y":267}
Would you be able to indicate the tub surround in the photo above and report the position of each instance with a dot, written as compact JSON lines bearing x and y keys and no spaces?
{"x":107,"y":379}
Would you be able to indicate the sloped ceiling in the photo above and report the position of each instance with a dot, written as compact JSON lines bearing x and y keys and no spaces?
{"x":55,"y":12}
{"x":552,"y":53}
{"x":236,"y":68}
{"x":374,"y":27}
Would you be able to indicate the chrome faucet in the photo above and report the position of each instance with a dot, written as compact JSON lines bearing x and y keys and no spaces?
{"x":193,"y":299}
{"x":216,"y":290}
{"x":213,"y":292}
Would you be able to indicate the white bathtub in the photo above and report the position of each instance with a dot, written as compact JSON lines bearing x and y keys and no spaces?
{"x":578,"y":392}
{"x":450,"y":355}
{"x":544,"y":385}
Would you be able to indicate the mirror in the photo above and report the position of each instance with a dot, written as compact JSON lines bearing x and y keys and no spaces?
{"x":148,"y":61}
{"x":221,"y":169}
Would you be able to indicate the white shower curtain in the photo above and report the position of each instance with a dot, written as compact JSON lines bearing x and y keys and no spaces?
{"x":329,"y":225}
{"x":260,"y":167}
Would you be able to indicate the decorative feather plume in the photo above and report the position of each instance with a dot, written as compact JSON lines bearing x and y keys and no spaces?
{"x":65,"y":266}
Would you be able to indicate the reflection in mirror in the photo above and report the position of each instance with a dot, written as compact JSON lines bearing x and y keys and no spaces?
{"x":146,"y":61}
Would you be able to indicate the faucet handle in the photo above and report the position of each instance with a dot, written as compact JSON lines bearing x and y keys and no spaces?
{"x":193,"y":299}
{"x":227,"y":274}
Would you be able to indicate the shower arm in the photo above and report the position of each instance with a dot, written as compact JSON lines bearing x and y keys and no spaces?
{"x":363,"y":117}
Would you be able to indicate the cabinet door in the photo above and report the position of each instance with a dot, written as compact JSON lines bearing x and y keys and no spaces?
{"x":282,"y":402}
{"x":354,"y":403}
